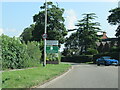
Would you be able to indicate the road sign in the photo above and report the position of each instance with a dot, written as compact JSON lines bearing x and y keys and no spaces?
{"x":52,"y":49}
{"x":44,"y":36}
{"x":52,"y":42}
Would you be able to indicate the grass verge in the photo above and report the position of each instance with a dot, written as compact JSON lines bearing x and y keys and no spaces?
{"x":89,"y":63}
{"x":32,"y":77}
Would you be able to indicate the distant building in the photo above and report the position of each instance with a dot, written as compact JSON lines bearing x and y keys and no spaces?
{"x":106,"y":43}
{"x":104,"y":36}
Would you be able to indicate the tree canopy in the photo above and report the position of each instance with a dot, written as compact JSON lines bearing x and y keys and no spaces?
{"x":85,"y":37}
{"x":114,"y":19}
{"x":27,"y":33}
{"x":55,"y":25}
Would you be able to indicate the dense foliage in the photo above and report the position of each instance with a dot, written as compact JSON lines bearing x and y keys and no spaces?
{"x":55,"y":25}
{"x":27,"y":33}
{"x":84,"y":38}
{"x":78,"y":59}
{"x":114,"y":19}
{"x":53,"y":56}
{"x":19,"y":55}
{"x":91,"y":51}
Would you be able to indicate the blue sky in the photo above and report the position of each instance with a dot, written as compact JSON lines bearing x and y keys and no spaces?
{"x":18,"y":15}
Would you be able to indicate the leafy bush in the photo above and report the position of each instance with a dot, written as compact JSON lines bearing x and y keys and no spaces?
{"x":16,"y":55}
{"x":52,"y":57}
{"x":115,"y":55}
{"x":0,"y":64}
{"x":34,"y":53}
{"x":13,"y":53}
{"x":91,"y":51}
{"x":115,"y":49}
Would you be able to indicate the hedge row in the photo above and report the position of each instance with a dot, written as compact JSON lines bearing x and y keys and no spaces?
{"x":90,"y":58}
{"x":78,"y":59}
{"x":16,"y":55}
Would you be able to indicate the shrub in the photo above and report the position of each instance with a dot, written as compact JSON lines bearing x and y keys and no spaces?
{"x":115,"y":55}
{"x":78,"y":59}
{"x":34,"y":53}
{"x":115,"y":49}
{"x":52,"y":57}
{"x":13,"y":53}
{"x":91,"y":51}
{"x":16,"y":55}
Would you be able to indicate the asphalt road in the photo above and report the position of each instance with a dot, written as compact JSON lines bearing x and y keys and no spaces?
{"x":88,"y":76}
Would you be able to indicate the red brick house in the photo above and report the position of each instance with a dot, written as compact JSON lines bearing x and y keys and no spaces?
{"x":106,"y":43}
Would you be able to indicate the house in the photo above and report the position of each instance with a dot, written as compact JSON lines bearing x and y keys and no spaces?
{"x":105,"y":43}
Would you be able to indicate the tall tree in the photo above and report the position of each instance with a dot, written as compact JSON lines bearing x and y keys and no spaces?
{"x":27,"y":33}
{"x":88,"y":31}
{"x":71,"y":45}
{"x":114,"y":19}
{"x":86,"y":35}
{"x":55,"y":23}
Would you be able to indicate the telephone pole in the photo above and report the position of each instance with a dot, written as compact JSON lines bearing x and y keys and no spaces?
{"x":44,"y":64}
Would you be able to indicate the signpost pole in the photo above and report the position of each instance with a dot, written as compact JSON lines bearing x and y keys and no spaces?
{"x":44,"y":64}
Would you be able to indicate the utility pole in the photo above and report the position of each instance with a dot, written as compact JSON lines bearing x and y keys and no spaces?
{"x":44,"y":64}
{"x":118,"y":26}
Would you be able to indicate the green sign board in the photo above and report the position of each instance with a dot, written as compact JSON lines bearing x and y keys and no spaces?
{"x":52,"y":49}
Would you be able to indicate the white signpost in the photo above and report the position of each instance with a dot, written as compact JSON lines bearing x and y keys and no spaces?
{"x":52,"y":46}
{"x":51,"y":42}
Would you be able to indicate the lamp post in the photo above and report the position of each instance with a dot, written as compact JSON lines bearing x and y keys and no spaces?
{"x":44,"y":64}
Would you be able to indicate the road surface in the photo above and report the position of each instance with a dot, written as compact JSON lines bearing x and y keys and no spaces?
{"x":87,"y":76}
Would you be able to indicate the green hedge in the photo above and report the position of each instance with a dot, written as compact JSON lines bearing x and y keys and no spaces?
{"x":91,"y":51}
{"x":16,"y":55}
{"x":78,"y":59}
{"x":34,"y":53}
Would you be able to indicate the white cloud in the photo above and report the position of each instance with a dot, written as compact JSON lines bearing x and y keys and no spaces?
{"x":12,"y":32}
{"x":71,"y":19}
{"x":1,"y":31}
{"x":99,"y":33}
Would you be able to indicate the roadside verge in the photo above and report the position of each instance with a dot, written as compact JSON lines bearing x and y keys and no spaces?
{"x":32,"y":77}
{"x":52,"y":80}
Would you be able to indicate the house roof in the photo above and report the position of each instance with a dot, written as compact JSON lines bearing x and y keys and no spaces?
{"x":104,"y":36}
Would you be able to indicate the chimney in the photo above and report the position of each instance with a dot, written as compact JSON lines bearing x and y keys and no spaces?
{"x":104,"y":35}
